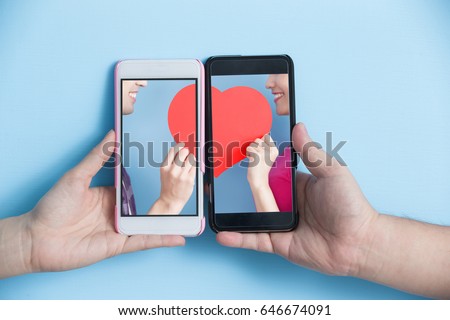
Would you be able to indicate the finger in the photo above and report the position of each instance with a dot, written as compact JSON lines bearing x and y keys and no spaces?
{"x":172,"y":152}
{"x":318,"y":162}
{"x":254,"y":241}
{"x":265,"y":145}
{"x":181,"y":157}
{"x":251,"y":152}
{"x":169,"y":158}
{"x":258,"y":141}
{"x":268,"y":148}
{"x":177,"y":166}
{"x":94,"y":161}
{"x":143,"y":242}
{"x":193,"y":171}
{"x":251,"y":149}
{"x":189,"y":163}
{"x":269,"y":141}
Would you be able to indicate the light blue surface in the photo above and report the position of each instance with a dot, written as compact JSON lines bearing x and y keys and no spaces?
{"x":148,"y":127}
{"x":232,"y":192}
{"x":375,"y":73}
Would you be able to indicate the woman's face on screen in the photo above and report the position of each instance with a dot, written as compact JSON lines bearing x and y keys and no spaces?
{"x":279,"y":85}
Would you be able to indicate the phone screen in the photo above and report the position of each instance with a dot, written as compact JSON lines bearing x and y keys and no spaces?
{"x":252,"y":156}
{"x":159,"y":174}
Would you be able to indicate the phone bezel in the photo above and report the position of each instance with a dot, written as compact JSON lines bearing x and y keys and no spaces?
{"x":244,"y":221}
{"x":187,"y":225}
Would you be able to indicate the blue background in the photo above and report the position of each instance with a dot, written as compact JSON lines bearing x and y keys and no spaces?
{"x":232,"y":192}
{"x":375,"y":73}
{"x":148,"y":123}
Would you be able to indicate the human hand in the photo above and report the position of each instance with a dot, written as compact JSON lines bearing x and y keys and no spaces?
{"x":177,"y":181}
{"x":261,"y":153}
{"x":73,"y":225}
{"x":335,"y":218}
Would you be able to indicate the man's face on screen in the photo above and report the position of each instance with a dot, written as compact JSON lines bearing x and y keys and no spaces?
{"x":130,"y":89}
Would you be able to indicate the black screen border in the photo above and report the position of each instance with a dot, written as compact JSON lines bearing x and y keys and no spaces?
{"x":248,"y":221}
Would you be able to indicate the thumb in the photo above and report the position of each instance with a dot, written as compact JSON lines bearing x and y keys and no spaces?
{"x":95,"y":159}
{"x":150,"y":241}
{"x":318,"y":162}
{"x":254,"y":241}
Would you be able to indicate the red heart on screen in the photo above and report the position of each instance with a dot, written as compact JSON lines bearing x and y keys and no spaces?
{"x":240,"y":115}
{"x":181,"y":117}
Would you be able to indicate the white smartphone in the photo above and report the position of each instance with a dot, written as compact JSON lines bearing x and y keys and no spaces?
{"x":159,"y":167}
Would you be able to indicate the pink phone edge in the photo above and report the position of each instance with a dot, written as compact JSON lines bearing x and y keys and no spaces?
{"x":117,"y":129}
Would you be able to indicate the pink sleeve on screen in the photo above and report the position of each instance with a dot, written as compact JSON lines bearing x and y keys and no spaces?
{"x":280,"y":177}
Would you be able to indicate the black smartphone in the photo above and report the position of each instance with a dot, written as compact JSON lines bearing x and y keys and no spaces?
{"x":250,"y":161}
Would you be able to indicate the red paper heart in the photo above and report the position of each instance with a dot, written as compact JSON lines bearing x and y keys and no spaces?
{"x":240,"y":115}
{"x":181,"y":117}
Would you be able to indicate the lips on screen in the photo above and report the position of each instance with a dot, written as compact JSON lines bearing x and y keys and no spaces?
{"x":159,"y":176}
{"x":246,"y":108}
